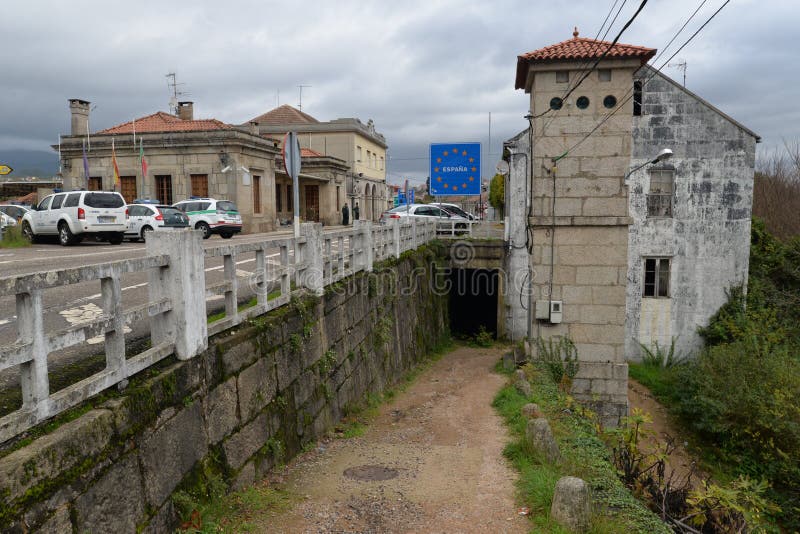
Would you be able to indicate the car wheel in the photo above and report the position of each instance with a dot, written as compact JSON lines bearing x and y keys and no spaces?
{"x":203,"y":227}
{"x":117,"y":238}
{"x":27,"y":232}
{"x":65,"y":236}
{"x":226,"y":235}
{"x":146,"y":231}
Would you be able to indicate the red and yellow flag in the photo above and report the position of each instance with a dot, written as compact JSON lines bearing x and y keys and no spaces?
{"x":114,"y":164}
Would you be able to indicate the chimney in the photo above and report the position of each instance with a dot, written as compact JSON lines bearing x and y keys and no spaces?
{"x":186,"y":111}
{"x":79,"y":112}
{"x":254,"y":127}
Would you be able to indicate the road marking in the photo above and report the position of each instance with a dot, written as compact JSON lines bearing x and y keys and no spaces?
{"x":105,"y":253}
{"x":85,"y":314}
{"x":6,"y":321}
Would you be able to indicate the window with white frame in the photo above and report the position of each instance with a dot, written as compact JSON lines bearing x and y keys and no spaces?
{"x":660,"y":195}
{"x":656,"y":277}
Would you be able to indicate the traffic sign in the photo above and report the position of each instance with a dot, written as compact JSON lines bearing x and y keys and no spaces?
{"x":5,"y":169}
{"x":291,"y":162}
{"x":455,"y":169}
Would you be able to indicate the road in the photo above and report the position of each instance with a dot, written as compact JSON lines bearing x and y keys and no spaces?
{"x":78,"y":303}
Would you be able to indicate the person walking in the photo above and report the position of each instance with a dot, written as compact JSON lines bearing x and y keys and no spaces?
{"x":345,"y":214}
{"x":356,"y":212}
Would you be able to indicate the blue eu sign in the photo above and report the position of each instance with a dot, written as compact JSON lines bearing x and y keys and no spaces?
{"x":455,"y":169}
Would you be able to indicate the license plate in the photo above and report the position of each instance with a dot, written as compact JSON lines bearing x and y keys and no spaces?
{"x":106,"y":219}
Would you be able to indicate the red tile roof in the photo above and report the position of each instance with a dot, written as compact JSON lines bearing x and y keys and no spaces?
{"x":308,"y":153}
{"x":285,"y":114}
{"x":579,"y":48}
{"x":164,"y":122}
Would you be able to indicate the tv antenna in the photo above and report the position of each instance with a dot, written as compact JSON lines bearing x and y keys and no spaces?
{"x":300,"y":105}
{"x":173,"y":84}
{"x":680,"y":65}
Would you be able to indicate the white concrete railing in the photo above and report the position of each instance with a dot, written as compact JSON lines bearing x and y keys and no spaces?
{"x":175,"y":265}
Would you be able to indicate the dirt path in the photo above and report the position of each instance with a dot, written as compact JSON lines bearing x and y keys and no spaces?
{"x":430,"y":462}
{"x":681,"y":460}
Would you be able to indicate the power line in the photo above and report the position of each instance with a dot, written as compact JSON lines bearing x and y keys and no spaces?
{"x":655,"y":71}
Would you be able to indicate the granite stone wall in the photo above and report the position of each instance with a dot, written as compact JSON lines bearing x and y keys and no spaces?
{"x":253,"y":399}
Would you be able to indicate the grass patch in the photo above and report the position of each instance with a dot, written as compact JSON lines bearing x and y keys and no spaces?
{"x":583,"y":455}
{"x":13,"y":238}
{"x":234,"y":512}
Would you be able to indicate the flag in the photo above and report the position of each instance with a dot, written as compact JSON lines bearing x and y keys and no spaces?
{"x":114,"y":164}
{"x":85,"y":165}
{"x":142,"y":159}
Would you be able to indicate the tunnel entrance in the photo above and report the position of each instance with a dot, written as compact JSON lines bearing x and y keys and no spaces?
{"x":473,"y":301}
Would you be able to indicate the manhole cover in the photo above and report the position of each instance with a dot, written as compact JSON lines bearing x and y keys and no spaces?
{"x":370,"y":472}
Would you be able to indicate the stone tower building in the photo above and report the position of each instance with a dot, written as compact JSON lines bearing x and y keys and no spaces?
{"x":578,"y":206}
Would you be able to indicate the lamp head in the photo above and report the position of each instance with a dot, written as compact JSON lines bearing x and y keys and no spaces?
{"x":665,"y":153}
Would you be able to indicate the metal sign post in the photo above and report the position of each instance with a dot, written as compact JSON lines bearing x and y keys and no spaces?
{"x":291,"y":163}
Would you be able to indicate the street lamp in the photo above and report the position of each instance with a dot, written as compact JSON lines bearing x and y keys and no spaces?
{"x":665,"y":153}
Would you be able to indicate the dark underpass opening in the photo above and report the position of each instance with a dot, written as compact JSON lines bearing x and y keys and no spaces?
{"x":473,"y":302}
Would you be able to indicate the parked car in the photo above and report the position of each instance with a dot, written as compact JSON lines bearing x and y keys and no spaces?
{"x":422,"y":211}
{"x":73,"y":216}
{"x":6,"y":220}
{"x":14,"y":211}
{"x":212,"y":216}
{"x":146,"y":217}
{"x":455,"y":209}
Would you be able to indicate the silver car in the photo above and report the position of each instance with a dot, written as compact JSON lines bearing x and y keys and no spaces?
{"x":423,"y":211}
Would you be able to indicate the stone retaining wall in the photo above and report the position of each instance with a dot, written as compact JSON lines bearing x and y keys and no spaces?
{"x":253,"y":399}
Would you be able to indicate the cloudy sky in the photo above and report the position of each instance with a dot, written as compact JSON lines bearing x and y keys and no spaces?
{"x":425,"y":71}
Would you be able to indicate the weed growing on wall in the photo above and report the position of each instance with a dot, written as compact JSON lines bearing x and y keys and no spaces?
{"x":560,"y":357}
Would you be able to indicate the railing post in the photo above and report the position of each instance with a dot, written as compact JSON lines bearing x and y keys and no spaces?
{"x":183,"y":281}
{"x":312,"y":276}
{"x":112,"y":306}
{"x":396,"y":249}
{"x":414,"y":244}
{"x":364,"y":230}
{"x":34,"y":382}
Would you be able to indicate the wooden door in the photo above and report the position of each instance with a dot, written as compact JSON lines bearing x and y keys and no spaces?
{"x":95,"y":183}
{"x":312,"y":203}
{"x":128,"y":188}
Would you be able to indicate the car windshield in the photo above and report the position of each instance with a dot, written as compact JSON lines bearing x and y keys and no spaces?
{"x":225,"y":206}
{"x":103,"y":200}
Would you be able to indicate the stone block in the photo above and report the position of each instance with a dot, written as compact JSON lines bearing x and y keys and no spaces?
{"x":524,"y":388}
{"x":604,"y":207}
{"x":56,"y":453}
{"x":239,"y":355}
{"x":592,"y":255}
{"x":221,"y":414}
{"x":531,"y":411}
{"x":169,"y":452}
{"x":614,"y":295}
{"x":288,"y":366}
{"x":564,"y":275}
{"x":540,"y":437}
{"x":58,"y":523}
{"x":596,"y":276}
{"x":256,"y":386}
{"x":304,"y":388}
{"x":610,"y":334}
{"x":594,"y":352}
{"x":163,"y":521}
{"x":115,"y":502}
{"x":245,"y":478}
{"x":245,"y":443}
{"x":572,"y":507}
{"x":576,"y":295}
{"x":602,"y":314}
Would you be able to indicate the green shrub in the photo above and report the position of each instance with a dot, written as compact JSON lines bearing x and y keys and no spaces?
{"x":559,"y":356}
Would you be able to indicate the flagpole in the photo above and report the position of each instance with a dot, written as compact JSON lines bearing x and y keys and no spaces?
{"x":59,"y":155}
{"x":134,"y":136}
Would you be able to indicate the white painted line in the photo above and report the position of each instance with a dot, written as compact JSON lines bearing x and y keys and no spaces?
{"x":6,"y":321}
{"x":49,"y":258}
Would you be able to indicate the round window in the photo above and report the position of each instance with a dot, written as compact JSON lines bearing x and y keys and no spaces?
{"x":610,"y":101}
{"x":556,"y":103}
{"x":582,"y":102}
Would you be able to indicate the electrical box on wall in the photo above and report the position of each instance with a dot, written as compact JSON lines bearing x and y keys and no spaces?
{"x":548,"y":310}
{"x":555,"y":311}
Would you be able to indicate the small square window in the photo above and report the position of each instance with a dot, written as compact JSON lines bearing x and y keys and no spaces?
{"x":656,"y":277}
{"x":604,"y":75}
{"x":659,"y":197}
{"x":562,"y":76}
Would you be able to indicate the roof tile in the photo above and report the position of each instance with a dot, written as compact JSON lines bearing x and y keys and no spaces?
{"x":164,"y":122}
{"x":579,"y":48}
{"x":284,"y":114}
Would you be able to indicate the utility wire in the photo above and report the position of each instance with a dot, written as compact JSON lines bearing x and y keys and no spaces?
{"x":600,"y":58}
{"x":655,"y":71}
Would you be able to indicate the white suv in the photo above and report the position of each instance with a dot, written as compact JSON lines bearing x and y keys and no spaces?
{"x":212,"y":216}
{"x":78,"y":214}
